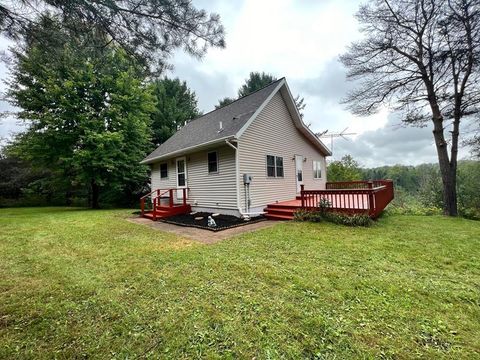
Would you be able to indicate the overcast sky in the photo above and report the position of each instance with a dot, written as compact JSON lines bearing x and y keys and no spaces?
{"x":300,"y":40}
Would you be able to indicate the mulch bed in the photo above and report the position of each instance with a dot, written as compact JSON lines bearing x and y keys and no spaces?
{"x":223,"y":221}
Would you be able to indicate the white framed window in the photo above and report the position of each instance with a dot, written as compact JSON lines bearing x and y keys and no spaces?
{"x":274,"y":166}
{"x":317,"y":169}
{"x":212,"y":162}
{"x":164,"y":171}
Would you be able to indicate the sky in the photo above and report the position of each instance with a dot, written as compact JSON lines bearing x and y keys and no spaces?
{"x":300,"y":40}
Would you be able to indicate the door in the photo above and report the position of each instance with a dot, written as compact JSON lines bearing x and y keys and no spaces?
{"x":181,"y":176}
{"x":299,"y":170}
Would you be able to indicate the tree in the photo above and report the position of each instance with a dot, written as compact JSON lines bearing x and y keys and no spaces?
{"x":257,"y":81}
{"x":420,"y":57}
{"x":254,"y":82}
{"x":346,"y":169}
{"x":300,"y":103}
{"x":149,"y":29}
{"x":223,"y":102}
{"x":88,"y":116}
{"x":176,"y":104}
{"x":474,"y":143}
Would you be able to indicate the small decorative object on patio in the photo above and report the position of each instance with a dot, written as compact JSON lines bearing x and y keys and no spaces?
{"x":211,"y":223}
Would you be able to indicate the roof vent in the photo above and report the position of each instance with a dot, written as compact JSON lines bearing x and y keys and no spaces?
{"x":220,"y":126}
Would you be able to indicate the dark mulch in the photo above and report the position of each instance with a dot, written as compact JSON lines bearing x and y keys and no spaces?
{"x":223,"y":221}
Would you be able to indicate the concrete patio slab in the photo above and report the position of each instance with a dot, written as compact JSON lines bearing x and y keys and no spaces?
{"x":201,"y":235}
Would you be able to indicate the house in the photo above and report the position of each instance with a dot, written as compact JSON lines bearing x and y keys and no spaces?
{"x":239,"y":158}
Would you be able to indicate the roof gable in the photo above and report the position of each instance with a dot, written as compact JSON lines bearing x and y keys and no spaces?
{"x":235,"y":118}
{"x":206,"y":128}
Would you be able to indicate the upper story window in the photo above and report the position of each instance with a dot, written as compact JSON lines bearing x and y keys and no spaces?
{"x":163,"y":171}
{"x":212,"y":162}
{"x":317,"y":169}
{"x":274,"y":166}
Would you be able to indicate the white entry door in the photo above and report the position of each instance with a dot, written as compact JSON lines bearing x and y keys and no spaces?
{"x":299,"y":171}
{"x":181,"y":176}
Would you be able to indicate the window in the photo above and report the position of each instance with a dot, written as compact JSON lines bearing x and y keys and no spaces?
{"x":274,"y":166}
{"x":163,"y":171}
{"x":317,"y":169}
{"x":270,"y":166}
{"x":279,"y":163}
{"x":212,"y":162}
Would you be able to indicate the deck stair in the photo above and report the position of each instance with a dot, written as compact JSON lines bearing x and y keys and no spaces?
{"x":163,"y":212}
{"x":163,"y":203}
{"x":280,"y":211}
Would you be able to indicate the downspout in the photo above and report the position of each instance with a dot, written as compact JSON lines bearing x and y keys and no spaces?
{"x":237,"y":182}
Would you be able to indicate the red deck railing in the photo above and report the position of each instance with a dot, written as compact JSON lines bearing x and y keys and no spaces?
{"x":369,"y":197}
{"x":156,"y":197}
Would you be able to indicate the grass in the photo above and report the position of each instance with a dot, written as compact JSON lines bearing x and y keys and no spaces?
{"x":80,"y":283}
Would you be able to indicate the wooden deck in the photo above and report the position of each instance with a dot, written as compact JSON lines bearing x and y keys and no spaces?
{"x":365,"y":197}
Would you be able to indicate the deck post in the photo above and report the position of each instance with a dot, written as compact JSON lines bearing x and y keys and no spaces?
{"x":371,"y":200}
{"x":154,"y":215}
{"x":142,"y":206}
{"x":170,"y":197}
{"x":302,"y":188}
{"x":184,"y":196}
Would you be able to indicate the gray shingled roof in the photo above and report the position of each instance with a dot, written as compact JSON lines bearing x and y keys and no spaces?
{"x":205,"y":128}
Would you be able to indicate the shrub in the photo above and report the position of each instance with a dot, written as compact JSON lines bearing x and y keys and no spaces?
{"x":333,"y":217}
{"x":470,"y":213}
{"x":348,"y":220}
{"x":405,"y":204}
{"x":305,"y":215}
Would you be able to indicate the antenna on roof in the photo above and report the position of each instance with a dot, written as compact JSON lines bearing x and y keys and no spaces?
{"x":342,"y":134}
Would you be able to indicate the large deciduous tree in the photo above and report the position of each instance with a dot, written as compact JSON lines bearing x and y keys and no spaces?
{"x":88,"y":116}
{"x":345,"y":169}
{"x":176,"y":105}
{"x":149,"y":29}
{"x":421,"y":57}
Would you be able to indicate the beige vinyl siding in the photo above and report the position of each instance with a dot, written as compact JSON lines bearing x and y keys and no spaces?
{"x":167,"y":183}
{"x":215,"y":190}
{"x":274,"y":133}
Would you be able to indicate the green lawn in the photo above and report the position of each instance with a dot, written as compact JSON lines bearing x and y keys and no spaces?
{"x":80,"y":283}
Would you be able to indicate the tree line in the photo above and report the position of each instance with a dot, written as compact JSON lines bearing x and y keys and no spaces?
{"x":92,"y":114}
{"x":85,"y":76}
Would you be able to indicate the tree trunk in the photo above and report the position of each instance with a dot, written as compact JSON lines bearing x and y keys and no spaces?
{"x":95,"y":195}
{"x":68,"y":197}
{"x":447,"y":171}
